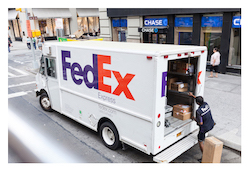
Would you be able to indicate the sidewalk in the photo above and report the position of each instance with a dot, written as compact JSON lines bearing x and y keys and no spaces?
{"x":223,"y":94}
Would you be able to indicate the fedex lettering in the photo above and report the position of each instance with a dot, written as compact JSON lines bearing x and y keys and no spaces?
{"x":98,"y":75}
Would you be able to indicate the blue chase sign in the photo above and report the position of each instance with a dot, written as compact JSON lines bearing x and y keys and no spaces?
{"x":212,"y":21}
{"x":236,"y":22}
{"x":155,"y":22}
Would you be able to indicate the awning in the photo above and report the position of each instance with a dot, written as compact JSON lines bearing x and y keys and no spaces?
{"x":44,"y":13}
{"x":88,"y":12}
{"x":12,"y":14}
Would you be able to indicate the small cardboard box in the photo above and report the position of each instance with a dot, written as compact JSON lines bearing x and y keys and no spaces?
{"x":212,"y":150}
{"x":181,"y":67}
{"x":179,"y":86}
{"x":182,"y":116}
{"x":185,"y":68}
{"x":182,"y":108}
{"x":170,"y":81}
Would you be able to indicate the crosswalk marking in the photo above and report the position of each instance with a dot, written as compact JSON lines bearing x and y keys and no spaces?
{"x":18,"y":94}
{"x":19,"y":71}
{"x":11,"y":74}
{"x":21,"y":84}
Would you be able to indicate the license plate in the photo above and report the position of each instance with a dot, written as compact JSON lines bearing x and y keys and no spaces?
{"x":178,"y":134}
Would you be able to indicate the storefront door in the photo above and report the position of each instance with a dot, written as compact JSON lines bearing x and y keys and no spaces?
{"x":212,"y":40}
{"x":156,"y":38}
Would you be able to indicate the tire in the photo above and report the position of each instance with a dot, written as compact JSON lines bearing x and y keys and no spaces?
{"x":110,"y":136}
{"x":45,"y":102}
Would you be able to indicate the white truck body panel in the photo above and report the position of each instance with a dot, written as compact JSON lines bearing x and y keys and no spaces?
{"x":130,"y":89}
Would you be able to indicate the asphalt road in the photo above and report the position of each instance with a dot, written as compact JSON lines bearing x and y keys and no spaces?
{"x":53,"y":137}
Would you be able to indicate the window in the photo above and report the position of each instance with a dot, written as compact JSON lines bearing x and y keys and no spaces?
{"x":42,"y":67}
{"x":51,"y":67}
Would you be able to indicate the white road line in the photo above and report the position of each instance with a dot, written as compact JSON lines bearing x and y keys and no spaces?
{"x":20,"y":71}
{"x":18,"y":62}
{"x":18,"y":94}
{"x":11,"y":74}
{"x":21,"y":84}
{"x":17,"y":76}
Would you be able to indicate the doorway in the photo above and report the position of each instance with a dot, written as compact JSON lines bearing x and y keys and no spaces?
{"x":185,"y":38}
{"x":155,"y":38}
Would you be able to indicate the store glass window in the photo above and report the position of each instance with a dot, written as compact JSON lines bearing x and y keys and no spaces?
{"x":89,"y":25}
{"x":185,"y":38}
{"x":212,"y":40}
{"x":66,"y":26}
{"x":236,"y":49}
{"x":211,"y":32}
{"x":119,"y":29}
{"x":183,"y":29}
{"x":235,"y":44}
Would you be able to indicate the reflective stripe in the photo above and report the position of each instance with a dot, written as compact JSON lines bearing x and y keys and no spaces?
{"x":205,"y":112}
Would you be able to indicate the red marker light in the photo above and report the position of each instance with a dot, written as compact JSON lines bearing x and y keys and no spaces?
{"x":186,"y":54}
{"x":166,"y":56}
{"x":159,"y":115}
{"x":179,"y":55}
{"x":202,"y":51}
{"x":149,"y":57}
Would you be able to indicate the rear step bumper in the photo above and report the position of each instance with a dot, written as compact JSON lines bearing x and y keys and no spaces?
{"x":177,"y":149}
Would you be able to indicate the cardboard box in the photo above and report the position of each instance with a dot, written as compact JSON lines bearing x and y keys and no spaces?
{"x":181,"y":67}
{"x":212,"y":150}
{"x":182,"y":108}
{"x":182,"y":116}
{"x":170,"y":81}
{"x":186,"y":68}
{"x":179,"y":86}
{"x":182,"y":112}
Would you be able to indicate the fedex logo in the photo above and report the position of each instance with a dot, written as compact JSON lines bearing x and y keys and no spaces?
{"x":98,"y":74}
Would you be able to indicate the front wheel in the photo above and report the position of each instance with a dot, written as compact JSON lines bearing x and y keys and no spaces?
{"x":110,"y":136}
{"x":45,"y":102}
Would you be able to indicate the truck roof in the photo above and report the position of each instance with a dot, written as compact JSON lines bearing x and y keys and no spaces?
{"x":128,"y":47}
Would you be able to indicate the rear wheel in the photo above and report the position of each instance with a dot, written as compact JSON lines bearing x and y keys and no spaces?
{"x":45,"y":102}
{"x":110,"y":136}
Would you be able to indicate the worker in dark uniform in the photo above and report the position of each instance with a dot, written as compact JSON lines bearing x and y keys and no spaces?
{"x":203,"y":118}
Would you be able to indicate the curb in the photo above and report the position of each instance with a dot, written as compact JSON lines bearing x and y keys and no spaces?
{"x":235,"y":144}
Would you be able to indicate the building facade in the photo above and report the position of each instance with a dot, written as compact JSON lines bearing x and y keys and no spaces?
{"x":53,"y":22}
{"x":216,"y":27}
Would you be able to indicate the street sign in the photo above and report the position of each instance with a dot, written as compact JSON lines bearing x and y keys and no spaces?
{"x":33,"y":18}
{"x":28,"y":28}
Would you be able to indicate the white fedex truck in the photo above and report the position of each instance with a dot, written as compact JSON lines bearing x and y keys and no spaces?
{"x":122,"y":91}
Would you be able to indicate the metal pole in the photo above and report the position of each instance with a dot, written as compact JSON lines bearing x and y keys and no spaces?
{"x":35,"y":65}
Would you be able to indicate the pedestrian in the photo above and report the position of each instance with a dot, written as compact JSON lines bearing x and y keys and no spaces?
{"x":28,"y":43}
{"x":34,"y":42}
{"x":203,"y":118}
{"x":215,"y":61}
{"x":9,"y":43}
{"x":40,"y":42}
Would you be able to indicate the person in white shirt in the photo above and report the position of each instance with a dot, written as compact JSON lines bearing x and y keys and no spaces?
{"x":215,"y":61}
